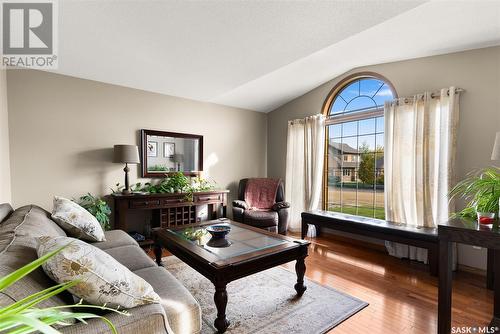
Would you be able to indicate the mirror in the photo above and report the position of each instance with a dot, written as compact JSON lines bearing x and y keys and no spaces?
{"x":170,"y":152}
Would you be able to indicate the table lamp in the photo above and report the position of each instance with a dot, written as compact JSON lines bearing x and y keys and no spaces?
{"x":127,"y":154}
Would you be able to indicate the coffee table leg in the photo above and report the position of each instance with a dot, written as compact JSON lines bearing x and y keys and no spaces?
{"x":300,"y":269}
{"x":220,"y":298}
{"x":157,"y":251}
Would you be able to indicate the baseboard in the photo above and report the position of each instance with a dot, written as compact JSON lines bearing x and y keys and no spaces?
{"x":472,"y":270}
{"x":353,"y":240}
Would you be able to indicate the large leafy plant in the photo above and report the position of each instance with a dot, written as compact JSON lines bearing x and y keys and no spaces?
{"x":24,"y":316}
{"x":480,"y":190}
{"x":176,"y":182}
{"x":97,"y":207}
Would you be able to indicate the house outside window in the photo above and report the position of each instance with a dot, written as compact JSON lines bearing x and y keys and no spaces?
{"x":354,"y":168}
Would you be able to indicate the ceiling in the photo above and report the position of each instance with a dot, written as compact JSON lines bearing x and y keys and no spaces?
{"x":257,"y":55}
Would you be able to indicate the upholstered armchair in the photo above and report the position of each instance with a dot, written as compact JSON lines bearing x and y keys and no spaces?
{"x":273,"y":218}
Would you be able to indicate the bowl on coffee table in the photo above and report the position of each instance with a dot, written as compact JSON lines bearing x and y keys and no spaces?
{"x":218,"y":231}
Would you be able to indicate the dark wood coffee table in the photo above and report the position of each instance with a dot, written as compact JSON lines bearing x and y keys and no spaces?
{"x":251,"y":250}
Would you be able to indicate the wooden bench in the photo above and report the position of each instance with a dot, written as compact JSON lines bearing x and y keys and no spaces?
{"x":379,"y":229}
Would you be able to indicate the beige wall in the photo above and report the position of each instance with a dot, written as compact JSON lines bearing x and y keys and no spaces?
{"x":477,"y":71}
{"x":62,"y":130}
{"x":5,"y":191}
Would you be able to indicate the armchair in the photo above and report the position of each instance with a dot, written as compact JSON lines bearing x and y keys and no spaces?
{"x":274,"y":219}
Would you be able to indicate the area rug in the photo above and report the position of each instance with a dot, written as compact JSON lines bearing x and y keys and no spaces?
{"x":266,"y":302}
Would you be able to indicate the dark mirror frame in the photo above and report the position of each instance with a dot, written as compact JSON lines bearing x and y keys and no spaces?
{"x":144,"y":135}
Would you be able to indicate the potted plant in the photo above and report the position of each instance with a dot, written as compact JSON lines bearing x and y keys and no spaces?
{"x":97,"y":207}
{"x":481,"y":191}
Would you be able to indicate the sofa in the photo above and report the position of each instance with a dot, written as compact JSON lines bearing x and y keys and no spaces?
{"x":178,"y":312}
{"x":274,"y":220}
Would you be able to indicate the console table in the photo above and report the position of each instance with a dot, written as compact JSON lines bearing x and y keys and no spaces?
{"x":174,"y":209}
{"x":471,"y":233}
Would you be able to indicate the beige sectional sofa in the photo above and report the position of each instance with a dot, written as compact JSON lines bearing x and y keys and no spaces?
{"x":177,"y":313}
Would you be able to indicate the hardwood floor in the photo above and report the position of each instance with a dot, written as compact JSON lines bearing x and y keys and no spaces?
{"x":402,"y":294}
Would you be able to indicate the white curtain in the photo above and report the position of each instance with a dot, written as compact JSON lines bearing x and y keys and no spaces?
{"x":420,"y":141}
{"x":304,"y":167}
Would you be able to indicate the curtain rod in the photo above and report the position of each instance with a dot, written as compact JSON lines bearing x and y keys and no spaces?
{"x":434,"y":94}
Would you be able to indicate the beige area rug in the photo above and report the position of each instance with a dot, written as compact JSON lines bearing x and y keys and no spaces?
{"x":266,"y":302}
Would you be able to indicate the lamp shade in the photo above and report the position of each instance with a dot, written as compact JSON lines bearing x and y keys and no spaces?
{"x":126,"y":154}
{"x":495,"y":155}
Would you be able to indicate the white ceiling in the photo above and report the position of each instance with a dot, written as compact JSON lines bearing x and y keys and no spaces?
{"x":257,"y":55}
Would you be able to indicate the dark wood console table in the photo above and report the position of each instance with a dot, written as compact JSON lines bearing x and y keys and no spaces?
{"x":466,"y":232}
{"x":174,"y":209}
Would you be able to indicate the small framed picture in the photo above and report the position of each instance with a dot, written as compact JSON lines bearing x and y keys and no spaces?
{"x":168,"y":150}
{"x":152,"y":149}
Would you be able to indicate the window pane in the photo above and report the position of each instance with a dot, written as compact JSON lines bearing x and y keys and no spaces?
{"x":367,"y":126}
{"x":384,"y":94}
{"x":350,"y":92}
{"x":350,"y":129}
{"x":349,"y":193}
{"x":379,"y":142}
{"x":337,"y":106}
{"x":360,"y":103}
{"x":366,"y":143}
{"x":350,"y":145}
{"x":380,"y":124}
{"x":335,"y":131}
{"x":379,"y":204}
{"x":370,"y":86}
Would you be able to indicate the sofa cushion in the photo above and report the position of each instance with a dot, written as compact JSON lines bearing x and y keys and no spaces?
{"x":260,"y":218}
{"x":103,"y":280}
{"x":115,"y":238}
{"x":18,"y":248}
{"x":5,"y":211}
{"x":183,"y":311}
{"x":132,"y":257}
{"x":76,"y":221}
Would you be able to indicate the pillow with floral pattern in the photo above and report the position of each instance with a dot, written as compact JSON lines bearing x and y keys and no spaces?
{"x":76,"y":221}
{"x":102,"y":279}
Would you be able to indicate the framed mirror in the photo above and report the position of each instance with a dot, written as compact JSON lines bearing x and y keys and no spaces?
{"x":170,"y":152}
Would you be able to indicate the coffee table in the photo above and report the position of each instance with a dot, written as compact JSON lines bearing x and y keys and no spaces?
{"x":251,"y":250}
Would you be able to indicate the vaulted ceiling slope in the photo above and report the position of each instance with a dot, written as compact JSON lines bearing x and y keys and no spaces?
{"x":257,"y":55}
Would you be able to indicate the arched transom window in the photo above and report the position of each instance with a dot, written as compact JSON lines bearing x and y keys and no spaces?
{"x":354,"y":170}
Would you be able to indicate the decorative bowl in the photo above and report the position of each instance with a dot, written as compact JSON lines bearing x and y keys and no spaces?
{"x":219,"y":230}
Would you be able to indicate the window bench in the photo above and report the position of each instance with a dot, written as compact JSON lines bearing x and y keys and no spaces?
{"x":376,"y":228}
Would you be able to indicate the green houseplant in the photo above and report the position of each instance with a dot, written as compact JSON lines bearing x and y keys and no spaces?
{"x":24,"y":317}
{"x":97,"y":207}
{"x":480,"y":190}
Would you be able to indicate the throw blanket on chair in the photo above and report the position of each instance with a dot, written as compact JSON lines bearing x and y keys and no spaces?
{"x":260,"y":194}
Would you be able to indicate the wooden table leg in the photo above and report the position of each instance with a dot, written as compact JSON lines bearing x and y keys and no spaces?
{"x":157,"y":251}
{"x":496,"y":285}
{"x":220,"y":298}
{"x":445,"y":287}
{"x":300,"y":269}
{"x":490,"y":269}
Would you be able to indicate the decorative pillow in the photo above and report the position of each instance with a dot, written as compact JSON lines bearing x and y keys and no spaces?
{"x":103,"y":280}
{"x":76,"y":221}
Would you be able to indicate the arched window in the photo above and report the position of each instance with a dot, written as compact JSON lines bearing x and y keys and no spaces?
{"x":354,"y":169}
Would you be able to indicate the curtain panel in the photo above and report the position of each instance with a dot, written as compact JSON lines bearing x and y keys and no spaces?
{"x":419,"y":165}
{"x":304,"y":167}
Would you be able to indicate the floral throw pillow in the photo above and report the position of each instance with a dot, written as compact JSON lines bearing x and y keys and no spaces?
{"x":76,"y":221}
{"x":103,"y":280}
